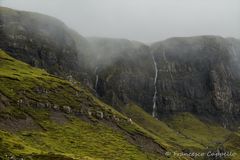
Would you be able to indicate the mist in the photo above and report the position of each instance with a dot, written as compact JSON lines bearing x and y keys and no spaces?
{"x":141,"y":20}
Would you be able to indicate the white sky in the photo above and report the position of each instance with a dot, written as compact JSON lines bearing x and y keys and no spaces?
{"x":142,"y":20}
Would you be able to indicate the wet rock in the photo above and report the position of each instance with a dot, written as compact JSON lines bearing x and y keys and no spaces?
{"x":56,"y":107}
{"x":67,"y":109}
{"x":77,"y":94}
{"x":20,"y":102}
{"x":70,"y":78}
{"x":89,"y":113}
{"x":130,"y":121}
{"x":41,"y":90}
{"x":115,"y":118}
{"x":4,"y":101}
{"x":99,"y":114}
{"x":40,"y":105}
{"x":48,"y":105}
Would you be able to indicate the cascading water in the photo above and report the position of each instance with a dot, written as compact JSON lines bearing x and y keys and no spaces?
{"x":96,"y":79}
{"x":155,"y":88}
{"x":234,"y":51}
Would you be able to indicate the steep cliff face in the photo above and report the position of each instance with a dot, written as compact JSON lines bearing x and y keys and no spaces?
{"x":195,"y":74}
{"x":124,"y":72}
{"x":42,"y":41}
{"x":198,"y":75}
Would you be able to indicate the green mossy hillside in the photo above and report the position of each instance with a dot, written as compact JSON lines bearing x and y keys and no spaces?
{"x":46,"y":117}
{"x":75,"y":139}
{"x":205,"y":133}
{"x":185,"y":132}
{"x":232,"y":144}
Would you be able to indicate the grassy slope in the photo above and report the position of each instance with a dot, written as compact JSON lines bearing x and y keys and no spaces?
{"x":185,"y":131}
{"x":169,"y":136}
{"x":232,"y":144}
{"x":75,"y":139}
{"x":203,"y":133}
{"x":48,"y":139}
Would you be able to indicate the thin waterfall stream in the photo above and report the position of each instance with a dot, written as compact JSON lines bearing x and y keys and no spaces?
{"x":96,"y":79}
{"x":155,"y":88}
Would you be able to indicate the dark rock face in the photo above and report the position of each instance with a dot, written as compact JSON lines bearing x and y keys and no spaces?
{"x":198,"y":75}
{"x":125,"y":72}
{"x":41,"y":41}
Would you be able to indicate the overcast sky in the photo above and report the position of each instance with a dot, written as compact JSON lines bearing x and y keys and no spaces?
{"x":142,"y":20}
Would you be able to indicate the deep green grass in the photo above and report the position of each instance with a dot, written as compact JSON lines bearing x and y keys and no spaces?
{"x":168,"y":136}
{"x":232,"y":144}
{"x":201,"y":132}
{"x":76,"y":138}
{"x":183,"y":131}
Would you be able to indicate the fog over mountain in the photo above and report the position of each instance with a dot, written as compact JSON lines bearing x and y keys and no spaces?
{"x":141,"y":20}
{"x":66,"y":95}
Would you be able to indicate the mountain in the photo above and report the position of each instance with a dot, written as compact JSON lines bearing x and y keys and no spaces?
{"x":199,"y":75}
{"x":64,"y":96}
{"x":45,"y":117}
{"x":124,"y":71}
{"x":43,"y":41}
{"x":194,"y":74}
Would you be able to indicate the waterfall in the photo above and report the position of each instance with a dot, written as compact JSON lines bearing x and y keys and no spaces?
{"x":164,"y":55}
{"x":234,"y":53}
{"x":96,"y":79}
{"x":96,"y":82}
{"x":155,"y":87}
